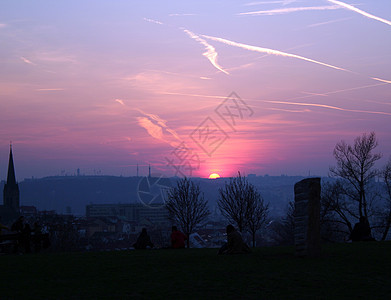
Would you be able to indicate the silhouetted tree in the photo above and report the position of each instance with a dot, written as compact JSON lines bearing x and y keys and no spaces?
{"x":257,"y":213}
{"x":386,"y":175}
{"x":355,"y":164}
{"x":233,"y":201}
{"x":242,"y":205}
{"x":187,"y":206}
{"x":336,"y":212}
{"x":282,"y":229}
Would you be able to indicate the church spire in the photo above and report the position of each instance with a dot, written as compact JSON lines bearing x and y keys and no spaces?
{"x":11,"y":179}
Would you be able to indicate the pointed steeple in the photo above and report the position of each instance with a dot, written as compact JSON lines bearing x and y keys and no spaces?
{"x":11,"y":190}
{"x":149,"y":173}
{"x":11,"y":179}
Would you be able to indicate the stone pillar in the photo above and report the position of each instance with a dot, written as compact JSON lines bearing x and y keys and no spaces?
{"x":307,"y":217}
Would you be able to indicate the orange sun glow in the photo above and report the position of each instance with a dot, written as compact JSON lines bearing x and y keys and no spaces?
{"x":214,"y":176}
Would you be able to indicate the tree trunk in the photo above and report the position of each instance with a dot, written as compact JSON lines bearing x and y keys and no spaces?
{"x":388,"y":224}
{"x":253,"y":239}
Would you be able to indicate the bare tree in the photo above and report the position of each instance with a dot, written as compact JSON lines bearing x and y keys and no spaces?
{"x":282,"y":229}
{"x":355,"y":164}
{"x":242,"y":205}
{"x":336,"y":212}
{"x":233,"y":201}
{"x":187,"y":206}
{"x":386,"y":175}
{"x":257,"y":213}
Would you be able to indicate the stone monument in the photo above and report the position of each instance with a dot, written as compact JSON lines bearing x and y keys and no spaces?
{"x":307,"y":217}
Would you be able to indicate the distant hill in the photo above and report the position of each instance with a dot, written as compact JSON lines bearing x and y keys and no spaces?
{"x":73,"y":193}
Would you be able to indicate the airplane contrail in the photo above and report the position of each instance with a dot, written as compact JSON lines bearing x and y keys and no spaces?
{"x":152,"y":21}
{"x":289,"y":10}
{"x":48,"y":90}
{"x":328,"y":22}
{"x":328,"y":106}
{"x":283,"y":2}
{"x":303,"y":103}
{"x":210,"y":53}
{"x":381,"y":80}
{"x":361,"y":12}
{"x":270,"y":51}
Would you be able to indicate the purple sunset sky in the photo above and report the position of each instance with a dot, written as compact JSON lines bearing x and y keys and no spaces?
{"x":107,"y":85}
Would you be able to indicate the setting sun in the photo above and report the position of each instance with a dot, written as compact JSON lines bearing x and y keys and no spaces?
{"x":214,"y":176}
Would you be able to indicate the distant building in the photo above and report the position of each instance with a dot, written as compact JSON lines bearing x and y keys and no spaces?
{"x":10,"y":209}
{"x":136,"y":212}
{"x":28,"y":210}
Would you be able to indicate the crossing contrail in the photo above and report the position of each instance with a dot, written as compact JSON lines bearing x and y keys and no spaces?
{"x":210,"y":53}
{"x":329,"y":107}
{"x":269,"y":51}
{"x":359,"y":11}
{"x":323,"y":106}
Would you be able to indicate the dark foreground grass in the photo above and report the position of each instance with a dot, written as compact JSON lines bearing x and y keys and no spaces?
{"x":354,"y":271}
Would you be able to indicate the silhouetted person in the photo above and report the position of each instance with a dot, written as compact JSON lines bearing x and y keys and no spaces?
{"x":143,"y":240}
{"x":37,"y":238}
{"x":2,"y":226}
{"x":361,"y":231}
{"x":18,"y":226}
{"x":235,"y":243}
{"x":26,"y":237}
{"x":178,"y":238}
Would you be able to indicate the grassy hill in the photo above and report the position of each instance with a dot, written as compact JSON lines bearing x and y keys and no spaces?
{"x":360,"y":270}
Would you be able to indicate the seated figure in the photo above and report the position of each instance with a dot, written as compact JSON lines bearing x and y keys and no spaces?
{"x":143,"y":240}
{"x":235,"y":243}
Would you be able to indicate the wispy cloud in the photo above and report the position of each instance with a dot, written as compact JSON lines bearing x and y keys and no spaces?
{"x":119,"y":101}
{"x":210,"y":53}
{"x":2,"y":25}
{"x":155,"y":126}
{"x":269,"y":51}
{"x":27,"y":61}
{"x":158,"y":129}
{"x":290,"y":10}
{"x":152,"y":21}
{"x":359,"y":11}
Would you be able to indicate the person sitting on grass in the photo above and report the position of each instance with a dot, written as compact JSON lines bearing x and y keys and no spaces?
{"x":361,"y":231}
{"x":3,"y":227}
{"x":143,"y":240}
{"x":178,"y":238}
{"x":235,"y":243}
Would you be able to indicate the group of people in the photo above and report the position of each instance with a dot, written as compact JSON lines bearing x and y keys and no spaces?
{"x":178,"y":239}
{"x":23,"y":235}
{"x":234,"y":245}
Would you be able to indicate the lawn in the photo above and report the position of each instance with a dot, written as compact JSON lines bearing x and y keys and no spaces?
{"x":361,"y":270}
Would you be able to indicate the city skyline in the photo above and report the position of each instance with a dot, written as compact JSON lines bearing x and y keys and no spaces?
{"x":261,"y":87}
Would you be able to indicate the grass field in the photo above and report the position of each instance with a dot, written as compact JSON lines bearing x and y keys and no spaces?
{"x":361,"y":270}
